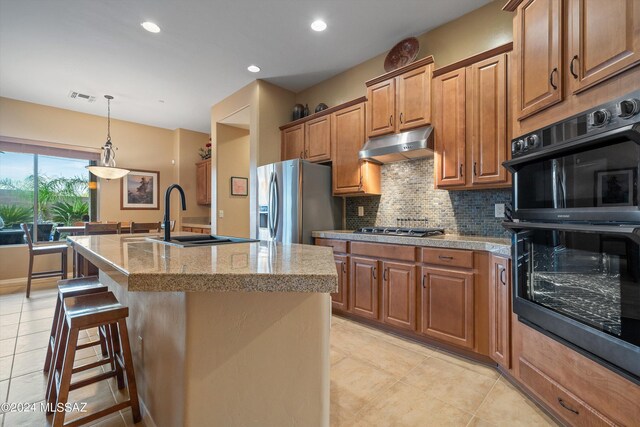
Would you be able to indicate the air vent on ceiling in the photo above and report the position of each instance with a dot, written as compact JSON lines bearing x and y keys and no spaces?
{"x":81,"y":96}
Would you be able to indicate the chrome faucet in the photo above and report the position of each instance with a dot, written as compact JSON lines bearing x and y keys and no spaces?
{"x":167,"y":209}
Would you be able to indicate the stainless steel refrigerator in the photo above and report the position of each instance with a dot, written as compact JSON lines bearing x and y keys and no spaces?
{"x":294,"y":199}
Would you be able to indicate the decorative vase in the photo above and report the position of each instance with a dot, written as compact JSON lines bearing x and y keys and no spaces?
{"x":321,"y":106}
{"x":298,"y":111}
{"x":306,"y":110}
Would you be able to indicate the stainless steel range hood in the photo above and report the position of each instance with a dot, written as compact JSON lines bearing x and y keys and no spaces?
{"x":412,"y":144}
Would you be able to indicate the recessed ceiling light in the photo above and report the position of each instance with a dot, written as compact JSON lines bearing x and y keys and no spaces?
{"x":151,"y":27}
{"x":318,"y":25}
{"x":253,"y":68}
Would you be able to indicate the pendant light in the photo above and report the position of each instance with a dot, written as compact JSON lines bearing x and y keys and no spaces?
{"x":107,"y":167}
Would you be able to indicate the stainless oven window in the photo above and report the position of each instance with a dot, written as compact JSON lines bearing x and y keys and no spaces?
{"x":604,"y":177}
{"x":591,"y":278}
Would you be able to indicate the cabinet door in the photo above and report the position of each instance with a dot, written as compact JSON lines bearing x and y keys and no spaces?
{"x":339,"y":299}
{"x":447,"y":306}
{"x":399,"y":295}
{"x":207,"y":179}
{"x":201,"y":183}
{"x":500,"y":312}
{"x":449,"y":124}
{"x":363,"y":287}
{"x":414,"y":98}
{"x":293,"y":142}
{"x":380,"y":116}
{"x":604,"y":39}
{"x":537,"y":45}
{"x":347,"y":134}
{"x":318,"y":139}
{"x":487,"y":106}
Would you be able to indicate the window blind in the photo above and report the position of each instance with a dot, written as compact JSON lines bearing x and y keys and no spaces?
{"x":19,"y":145}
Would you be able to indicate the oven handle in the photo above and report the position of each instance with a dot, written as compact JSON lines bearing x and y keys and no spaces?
{"x":631,"y":132}
{"x":630,"y":231}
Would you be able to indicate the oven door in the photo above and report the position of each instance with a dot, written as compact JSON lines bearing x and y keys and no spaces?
{"x":582,"y":283}
{"x":593,"y":178}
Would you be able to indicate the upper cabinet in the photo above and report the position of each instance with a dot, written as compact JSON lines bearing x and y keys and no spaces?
{"x":602,"y":39}
{"x":293,"y":142}
{"x":317,"y":141}
{"x":471,"y":122}
{"x":537,"y":36}
{"x":203,"y":182}
{"x":400,"y":100}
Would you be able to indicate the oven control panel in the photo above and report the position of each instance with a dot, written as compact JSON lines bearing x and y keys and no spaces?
{"x":617,"y":113}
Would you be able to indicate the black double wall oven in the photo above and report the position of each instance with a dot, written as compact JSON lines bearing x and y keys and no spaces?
{"x":576,"y":232}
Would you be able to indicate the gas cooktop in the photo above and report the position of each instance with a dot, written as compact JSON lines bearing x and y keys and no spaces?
{"x":401,"y":231}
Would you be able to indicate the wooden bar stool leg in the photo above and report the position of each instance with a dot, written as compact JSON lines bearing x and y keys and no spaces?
{"x":30,"y":274}
{"x":117,"y":352}
{"x":56,"y":365}
{"x":57,"y":318}
{"x":128,"y":362}
{"x":65,"y":376}
{"x":63,"y":267}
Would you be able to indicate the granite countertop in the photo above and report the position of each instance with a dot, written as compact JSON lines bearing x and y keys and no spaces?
{"x":241,"y":267}
{"x":494,"y":245}
{"x":195,"y":224}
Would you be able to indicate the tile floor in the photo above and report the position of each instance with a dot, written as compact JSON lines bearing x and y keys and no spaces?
{"x":377,"y":379}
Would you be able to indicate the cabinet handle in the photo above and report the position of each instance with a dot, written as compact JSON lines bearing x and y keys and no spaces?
{"x":344,"y":267}
{"x":553,"y":85}
{"x":401,"y":118}
{"x":474,"y":169}
{"x":302,"y":154}
{"x":565,"y":406}
{"x":502,"y":278}
{"x":424,"y":277}
{"x":573,"y":73}
{"x":461,"y":166}
{"x":445,"y":257}
{"x":391,"y":120}
{"x":374,"y":273}
{"x":384,"y":274}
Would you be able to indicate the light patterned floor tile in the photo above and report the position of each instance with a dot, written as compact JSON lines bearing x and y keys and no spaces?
{"x":29,"y":361}
{"x":31,"y":327}
{"x":44,"y":313}
{"x":10,"y":331}
{"x":32,"y":341}
{"x":5,"y":367}
{"x":28,"y":388}
{"x":4,"y":390}
{"x":9,"y":319}
{"x":7,"y":347}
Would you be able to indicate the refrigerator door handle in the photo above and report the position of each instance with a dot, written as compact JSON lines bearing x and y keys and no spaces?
{"x":276,"y":202}
{"x":270,"y":204}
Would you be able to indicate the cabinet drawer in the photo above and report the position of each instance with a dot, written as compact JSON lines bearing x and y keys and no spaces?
{"x":380,"y":250}
{"x":448,"y":257}
{"x":564,"y":403}
{"x":337,"y":245}
{"x":186,"y":229}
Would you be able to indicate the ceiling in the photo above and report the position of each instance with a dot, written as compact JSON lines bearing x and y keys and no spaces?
{"x":171,"y":79}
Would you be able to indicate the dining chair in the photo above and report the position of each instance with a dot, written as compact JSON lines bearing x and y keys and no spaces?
{"x":91,"y":229}
{"x":35,"y":250}
{"x":145,"y":227}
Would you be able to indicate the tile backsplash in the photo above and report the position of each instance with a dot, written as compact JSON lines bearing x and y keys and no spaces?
{"x":408,"y":192}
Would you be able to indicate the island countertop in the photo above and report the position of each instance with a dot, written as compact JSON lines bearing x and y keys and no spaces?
{"x":149,"y":266}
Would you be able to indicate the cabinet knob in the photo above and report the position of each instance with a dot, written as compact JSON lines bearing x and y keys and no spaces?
{"x":573,"y":60}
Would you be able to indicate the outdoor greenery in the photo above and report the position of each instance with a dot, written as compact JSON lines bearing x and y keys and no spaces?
{"x":14,"y":215}
{"x":59,"y":199}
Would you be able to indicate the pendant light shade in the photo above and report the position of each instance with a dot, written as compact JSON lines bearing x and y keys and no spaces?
{"x":107,"y":167}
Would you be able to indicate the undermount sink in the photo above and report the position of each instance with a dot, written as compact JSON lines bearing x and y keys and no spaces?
{"x":201,"y":240}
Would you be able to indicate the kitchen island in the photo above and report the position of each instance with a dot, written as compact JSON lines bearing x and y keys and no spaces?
{"x":234,"y":334}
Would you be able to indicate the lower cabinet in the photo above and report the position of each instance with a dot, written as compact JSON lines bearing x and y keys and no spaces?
{"x":363,"y":283}
{"x":399,"y":294}
{"x":448,"y":306}
{"x":500,"y":312}
{"x":339,"y":299}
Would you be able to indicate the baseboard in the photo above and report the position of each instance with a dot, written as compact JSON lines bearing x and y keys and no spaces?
{"x":11,"y":286}
{"x":146,"y":416}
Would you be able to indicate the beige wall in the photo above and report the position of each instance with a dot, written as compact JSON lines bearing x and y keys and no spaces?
{"x":233,"y":160}
{"x":477,"y":31}
{"x":139,"y":147}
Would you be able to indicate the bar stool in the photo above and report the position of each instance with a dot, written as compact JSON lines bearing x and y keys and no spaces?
{"x":74,"y":288}
{"x":82,"y":313}
{"x":35,"y":250}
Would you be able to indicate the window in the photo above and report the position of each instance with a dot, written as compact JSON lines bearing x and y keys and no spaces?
{"x":48,"y":190}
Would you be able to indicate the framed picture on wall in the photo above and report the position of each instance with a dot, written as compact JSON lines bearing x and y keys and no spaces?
{"x":140,"y":189}
{"x":239,"y":186}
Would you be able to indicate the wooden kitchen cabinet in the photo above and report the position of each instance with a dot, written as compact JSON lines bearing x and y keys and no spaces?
{"x":363,"y":286}
{"x":399,"y":294}
{"x":317,"y":139}
{"x":351,"y":176}
{"x":538,"y":54}
{"x":293,"y":142}
{"x":400,"y":99}
{"x":339,"y":299}
{"x":604,"y":39}
{"x":448,"y":306}
{"x":449,"y":127}
{"x":470,"y":122}
{"x":500,"y":312}
{"x":203,"y":182}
